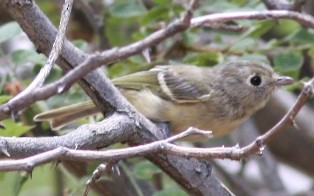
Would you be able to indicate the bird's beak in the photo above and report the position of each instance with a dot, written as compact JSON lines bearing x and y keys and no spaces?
{"x":284,"y":80}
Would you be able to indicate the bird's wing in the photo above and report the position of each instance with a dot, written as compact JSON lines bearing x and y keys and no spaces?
{"x":169,"y":82}
{"x":138,"y":81}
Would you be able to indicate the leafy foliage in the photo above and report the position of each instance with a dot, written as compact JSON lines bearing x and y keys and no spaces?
{"x":9,"y":30}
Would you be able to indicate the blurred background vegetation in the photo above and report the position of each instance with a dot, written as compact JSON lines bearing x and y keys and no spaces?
{"x":98,"y":25}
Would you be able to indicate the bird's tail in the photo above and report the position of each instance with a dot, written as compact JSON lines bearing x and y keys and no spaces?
{"x":61,"y":116}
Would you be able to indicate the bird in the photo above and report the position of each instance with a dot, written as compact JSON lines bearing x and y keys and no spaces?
{"x":216,"y":99}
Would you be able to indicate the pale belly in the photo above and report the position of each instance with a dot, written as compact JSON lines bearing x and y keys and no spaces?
{"x":180,"y":116}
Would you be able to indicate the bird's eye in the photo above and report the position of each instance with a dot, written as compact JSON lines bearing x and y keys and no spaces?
{"x":256,"y":80}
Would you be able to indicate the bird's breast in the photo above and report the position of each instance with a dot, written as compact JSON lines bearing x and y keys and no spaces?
{"x":181,"y":116}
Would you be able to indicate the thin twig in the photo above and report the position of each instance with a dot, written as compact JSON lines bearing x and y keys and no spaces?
{"x":287,"y":120}
{"x":190,"y":131}
{"x":54,"y":54}
{"x":304,"y":19}
{"x":101,"y":169}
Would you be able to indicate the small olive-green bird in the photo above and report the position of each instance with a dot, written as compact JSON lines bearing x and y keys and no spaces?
{"x":216,"y":98}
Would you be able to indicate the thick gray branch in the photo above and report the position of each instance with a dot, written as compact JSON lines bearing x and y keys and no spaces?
{"x":92,"y":136}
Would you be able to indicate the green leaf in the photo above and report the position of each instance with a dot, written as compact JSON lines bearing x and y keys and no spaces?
{"x":13,"y":128}
{"x":171,"y":192}
{"x":243,"y":44}
{"x":119,"y":30}
{"x":162,"y":2}
{"x":21,"y":179}
{"x":259,"y":28}
{"x":311,"y":53}
{"x":145,"y":170}
{"x":230,"y":5}
{"x":303,"y":37}
{"x":127,"y":8}
{"x":248,"y":40}
{"x":4,"y":98}
{"x":203,"y":58}
{"x":54,"y":74}
{"x":21,"y":57}
{"x":286,"y":27}
{"x":162,"y":13}
{"x":289,"y":63}
{"x":81,"y":44}
{"x":131,"y":65}
{"x":217,"y":6}
{"x":155,"y":14}
{"x":9,"y":30}
{"x":239,"y":2}
{"x":255,"y":57}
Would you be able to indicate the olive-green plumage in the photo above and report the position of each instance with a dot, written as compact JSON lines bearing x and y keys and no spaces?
{"x":216,"y":99}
